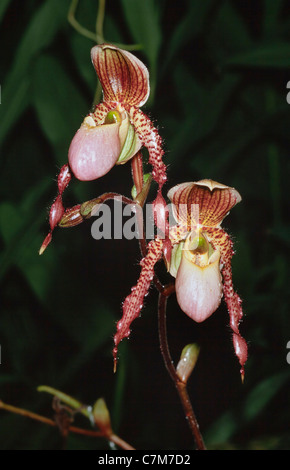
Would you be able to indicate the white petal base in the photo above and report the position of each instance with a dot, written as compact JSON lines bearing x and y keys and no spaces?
{"x":198,"y":289}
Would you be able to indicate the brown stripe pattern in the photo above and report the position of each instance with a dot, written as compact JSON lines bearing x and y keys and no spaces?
{"x":124,"y":78}
{"x":204,"y":202}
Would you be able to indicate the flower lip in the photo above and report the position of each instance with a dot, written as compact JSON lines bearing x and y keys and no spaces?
{"x":124,"y":78}
{"x":198,"y":283}
{"x":94,"y":150}
{"x":205,"y":202}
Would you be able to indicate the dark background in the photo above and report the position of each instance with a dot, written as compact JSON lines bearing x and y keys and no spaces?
{"x":219,"y":72}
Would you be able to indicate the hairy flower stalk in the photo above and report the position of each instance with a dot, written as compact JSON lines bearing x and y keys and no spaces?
{"x":117,"y":129}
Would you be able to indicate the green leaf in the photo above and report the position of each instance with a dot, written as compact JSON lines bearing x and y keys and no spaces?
{"x":202,"y":110}
{"x":97,"y":318}
{"x":255,"y":403}
{"x":38,"y":35}
{"x":19,"y":228}
{"x":271,"y":15}
{"x":81,"y":50}
{"x":266,"y":56}
{"x":59,"y":105}
{"x":139,"y":15}
{"x":3,"y":7}
{"x":262,"y":394}
{"x":232,"y":28}
{"x":191,"y":25}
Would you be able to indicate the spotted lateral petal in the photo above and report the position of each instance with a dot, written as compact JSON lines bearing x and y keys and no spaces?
{"x":204,"y":202}
{"x":221,"y":240}
{"x":133,"y":304}
{"x":150,"y":138}
{"x":124,"y":78}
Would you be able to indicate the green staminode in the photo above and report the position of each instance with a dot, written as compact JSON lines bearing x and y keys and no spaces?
{"x":112,"y":117}
{"x":199,"y":245}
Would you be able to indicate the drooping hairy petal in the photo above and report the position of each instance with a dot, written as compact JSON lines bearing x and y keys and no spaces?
{"x":205,"y":202}
{"x":198,"y":289}
{"x":234,"y":304}
{"x":241,"y":350}
{"x":221,"y":240}
{"x":151,"y":139}
{"x":133,"y":304}
{"x":123,"y":77}
{"x":94,"y":150}
{"x":57,"y":210}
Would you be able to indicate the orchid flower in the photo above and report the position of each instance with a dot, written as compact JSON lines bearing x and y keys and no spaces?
{"x":200,"y":260}
{"x":116,"y":130}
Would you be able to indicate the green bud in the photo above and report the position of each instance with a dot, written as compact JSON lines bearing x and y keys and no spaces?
{"x":187,"y":361}
{"x":87,"y":207}
{"x":146,"y":178}
{"x":71,"y":217}
{"x":102,"y":417}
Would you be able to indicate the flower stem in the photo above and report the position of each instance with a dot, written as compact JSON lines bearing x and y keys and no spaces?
{"x":162,"y":304}
{"x":190,"y":415}
{"x":98,"y":36}
{"x":137,"y":172}
{"x":120,"y":442}
{"x":180,"y":386}
{"x":100,"y":22}
{"x":76,"y":25}
{"x":85,"y":432}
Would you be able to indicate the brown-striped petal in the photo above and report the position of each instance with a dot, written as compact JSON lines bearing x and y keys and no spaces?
{"x":204,"y":202}
{"x":123,"y":77}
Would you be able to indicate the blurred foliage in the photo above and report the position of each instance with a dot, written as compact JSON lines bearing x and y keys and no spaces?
{"x":219,"y":73}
